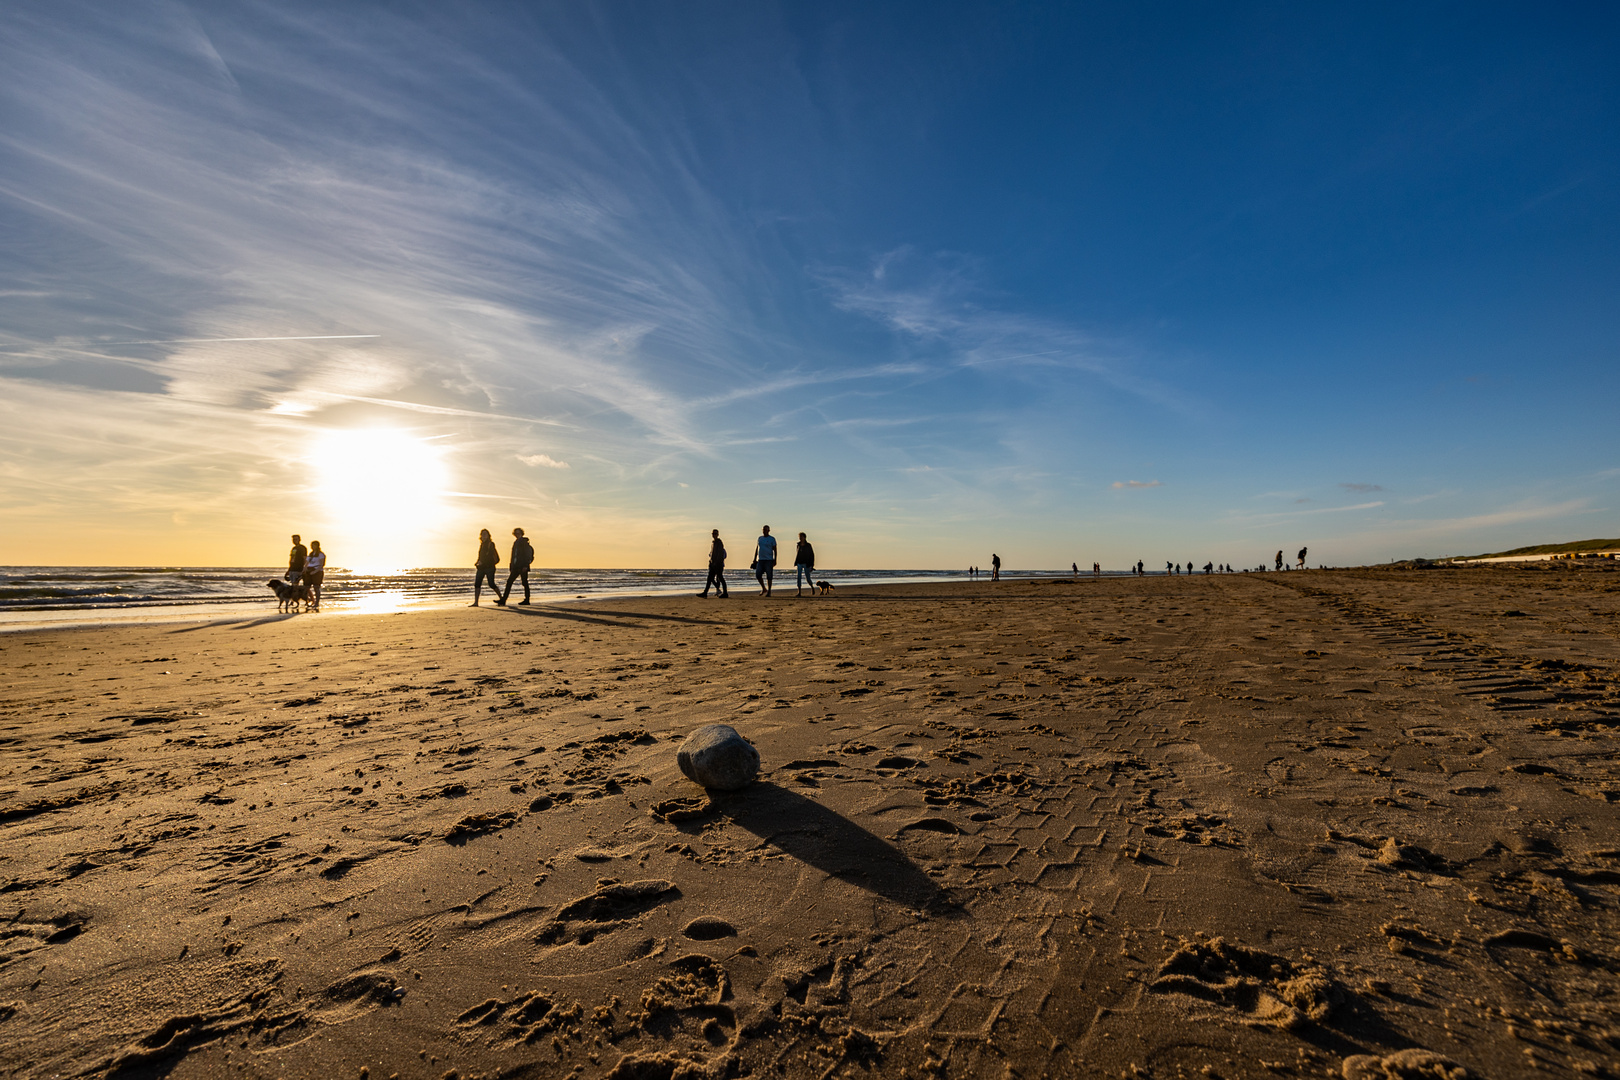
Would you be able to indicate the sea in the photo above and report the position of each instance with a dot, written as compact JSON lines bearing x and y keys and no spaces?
{"x":32,"y":597}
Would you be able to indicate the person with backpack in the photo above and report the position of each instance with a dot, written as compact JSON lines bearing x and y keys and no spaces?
{"x":717,"y":569}
{"x":518,"y":568}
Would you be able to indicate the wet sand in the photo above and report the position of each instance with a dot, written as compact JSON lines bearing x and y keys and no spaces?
{"x":1354,"y":823}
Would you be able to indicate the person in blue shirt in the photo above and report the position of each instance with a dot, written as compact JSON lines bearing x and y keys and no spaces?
{"x":765,"y":560}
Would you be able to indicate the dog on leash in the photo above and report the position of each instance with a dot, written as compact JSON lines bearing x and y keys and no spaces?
{"x":289,"y":596}
{"x":824,"y":588}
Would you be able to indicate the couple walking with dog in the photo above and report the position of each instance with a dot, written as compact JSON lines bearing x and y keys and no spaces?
{"x":517,"y":570}
{"x":306,"y":570}
{"x":763,"y":565}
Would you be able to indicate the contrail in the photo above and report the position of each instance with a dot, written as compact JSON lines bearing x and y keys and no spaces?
{"x":184,"y":341}
{"x":208,"y":340}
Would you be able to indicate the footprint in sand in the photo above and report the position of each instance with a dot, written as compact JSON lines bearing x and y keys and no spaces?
{"x":689,"y":808}
{"x":609,"y":906}
{"x":524,"y":1019}
{"x":474,"y":825}
{"x":1410,"y":1064}
{"x":708,"y":928}
{"x":1257,"y":987}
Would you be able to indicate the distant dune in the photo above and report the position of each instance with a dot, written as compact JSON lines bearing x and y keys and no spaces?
{"x":1550,"y":549}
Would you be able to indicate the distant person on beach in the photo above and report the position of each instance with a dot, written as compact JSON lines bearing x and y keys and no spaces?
{"x":1167,"y":567}
{"x":518,"y":568}
{"x":1302,"y":558}
{"x":717,"y":568}
{"x":1076,"y":568}
{"x":488,"y":560}
{"x":1209,"y":567}
{"x":804,"y":567}
{"x":995,"y":567}
{"x":315,"y":571}
{"x":1096,"y":569}
{"x":765,"y":560}
{"x":1279,"y":560}
{"x":296,"y":559}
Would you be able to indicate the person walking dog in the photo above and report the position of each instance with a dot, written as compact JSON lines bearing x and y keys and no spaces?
{"x":804,"y":567}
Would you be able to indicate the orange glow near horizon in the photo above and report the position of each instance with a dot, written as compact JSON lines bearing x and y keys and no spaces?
{"x":382,"y":491}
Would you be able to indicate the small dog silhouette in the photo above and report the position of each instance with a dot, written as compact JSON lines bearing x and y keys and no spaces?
{"x":823,"y":588}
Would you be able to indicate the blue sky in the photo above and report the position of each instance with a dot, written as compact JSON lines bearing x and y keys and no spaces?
{"x":1066,"y":282}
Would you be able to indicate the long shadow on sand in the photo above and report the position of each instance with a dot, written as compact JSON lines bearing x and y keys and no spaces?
{"x":619,"y":618}
{"x":830,"y":842}
{"x":240,"y":624}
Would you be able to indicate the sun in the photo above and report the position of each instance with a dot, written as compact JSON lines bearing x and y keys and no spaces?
{"x":383,"y":491}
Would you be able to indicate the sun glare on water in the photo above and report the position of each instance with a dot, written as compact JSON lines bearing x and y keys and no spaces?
{"x":382,"y":490}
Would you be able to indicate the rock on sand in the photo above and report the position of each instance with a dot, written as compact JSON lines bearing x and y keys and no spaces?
{"x":717,"y":757}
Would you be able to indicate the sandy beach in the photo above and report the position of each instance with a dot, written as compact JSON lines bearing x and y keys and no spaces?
{"x":1354,"y":823}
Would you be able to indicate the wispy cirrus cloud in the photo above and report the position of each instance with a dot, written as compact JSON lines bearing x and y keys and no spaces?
{"x":1288,"y":515}
{"x":394,"y":251}
{"x":1136,"y":484}
{"x":939,"y":305}
{"x":1509,"y":515}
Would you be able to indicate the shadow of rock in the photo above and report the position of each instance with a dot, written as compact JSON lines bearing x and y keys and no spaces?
{"x":831,"y":843}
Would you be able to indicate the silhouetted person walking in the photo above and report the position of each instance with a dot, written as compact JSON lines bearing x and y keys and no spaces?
{"x":315,"y":570}
{"x":518,"y":568}
{"x":717,"y":568}
{"x":488,"y":560}
{"x":1302,"y":558}
{"x":804,"y":567}
{"x":295,"y":560}
{"x":765,"y":560}
{"x":995,"y":567}
{"x":1279,"y":560}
